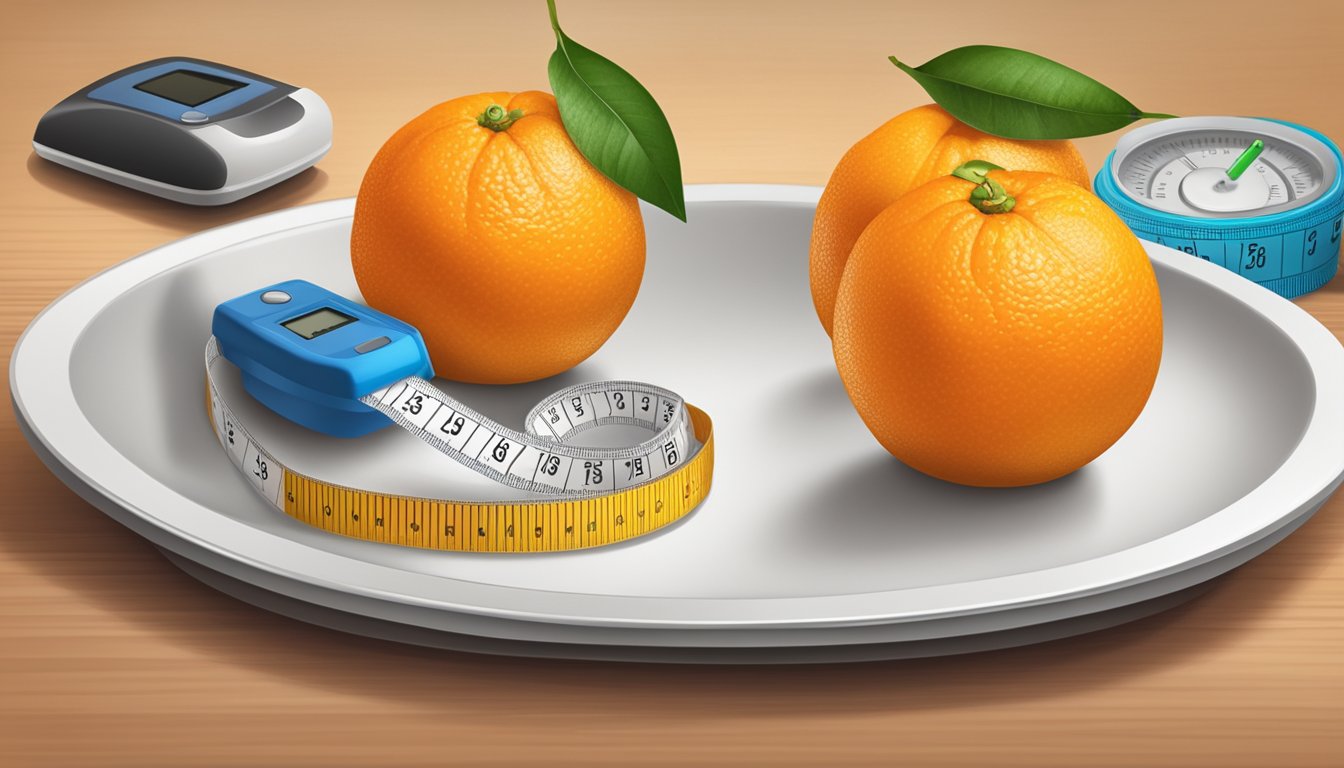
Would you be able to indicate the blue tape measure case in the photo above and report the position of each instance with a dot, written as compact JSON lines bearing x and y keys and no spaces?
{"x":1290,"y":252}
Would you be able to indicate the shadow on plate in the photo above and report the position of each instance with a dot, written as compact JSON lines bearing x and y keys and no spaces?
{"x":301,"y":188}
{"x":74,"y":545}
{"x":875,"y":508}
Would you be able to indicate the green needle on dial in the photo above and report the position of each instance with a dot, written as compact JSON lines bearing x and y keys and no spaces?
{"x":1243,"y":162}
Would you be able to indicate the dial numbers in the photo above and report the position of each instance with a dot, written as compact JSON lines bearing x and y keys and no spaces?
{"x":1171,"y":173}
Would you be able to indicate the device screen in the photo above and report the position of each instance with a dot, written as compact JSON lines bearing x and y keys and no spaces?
{"x":318,"y":322}
{"x":189,"y":88}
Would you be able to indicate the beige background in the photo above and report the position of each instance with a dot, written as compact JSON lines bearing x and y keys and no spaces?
{"x":109,"y":655}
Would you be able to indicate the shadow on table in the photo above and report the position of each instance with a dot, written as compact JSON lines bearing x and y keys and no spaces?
{"x":75,"y":546}
{"x":302,"y":188}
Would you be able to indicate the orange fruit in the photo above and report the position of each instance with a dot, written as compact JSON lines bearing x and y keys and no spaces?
{"x":514,"y":257}
{"x":998,"y":349}
{"x":908,"y":150}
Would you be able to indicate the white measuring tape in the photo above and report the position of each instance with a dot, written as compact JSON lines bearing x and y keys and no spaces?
{"x":593,"y":496}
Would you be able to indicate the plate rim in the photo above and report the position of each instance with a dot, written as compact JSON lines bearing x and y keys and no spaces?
{"x":42,"y":396}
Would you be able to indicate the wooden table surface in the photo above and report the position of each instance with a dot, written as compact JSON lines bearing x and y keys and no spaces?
{"x":110,"y":655}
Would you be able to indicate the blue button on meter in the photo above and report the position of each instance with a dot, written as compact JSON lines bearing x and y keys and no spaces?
{"x":194,"y":131}
{"x":311,"y":358}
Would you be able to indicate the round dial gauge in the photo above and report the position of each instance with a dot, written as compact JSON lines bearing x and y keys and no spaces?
{"x":1181,"y":166}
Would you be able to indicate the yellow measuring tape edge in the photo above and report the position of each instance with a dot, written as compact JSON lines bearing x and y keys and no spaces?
{"x":522,"y":526}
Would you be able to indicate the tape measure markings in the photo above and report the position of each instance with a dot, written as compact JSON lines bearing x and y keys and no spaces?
{"x":593,"y":511}
{"x":493,"y":450}
{"x":1262,"y":258}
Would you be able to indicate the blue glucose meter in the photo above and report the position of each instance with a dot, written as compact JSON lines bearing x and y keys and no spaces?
{"x":188,"y":130}
{"x":336,"y":367}
{"x":309,"y":354}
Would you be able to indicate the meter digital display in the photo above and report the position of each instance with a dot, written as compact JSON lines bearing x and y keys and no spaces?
{"x":318,"y":322}
{"x":189,"y":88}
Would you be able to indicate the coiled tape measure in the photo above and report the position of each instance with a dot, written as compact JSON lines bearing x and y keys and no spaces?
{"x":1263,"y":198}
{"x":345,"y":370}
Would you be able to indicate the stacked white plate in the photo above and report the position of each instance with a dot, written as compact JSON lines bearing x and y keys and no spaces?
{"x":814,"y":544}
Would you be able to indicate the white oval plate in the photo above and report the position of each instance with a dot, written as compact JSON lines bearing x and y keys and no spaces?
{"x":812,"y":538}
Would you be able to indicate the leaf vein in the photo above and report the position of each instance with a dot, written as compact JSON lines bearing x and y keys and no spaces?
{"x":564,"y":49}
{"x":1133,"y":112}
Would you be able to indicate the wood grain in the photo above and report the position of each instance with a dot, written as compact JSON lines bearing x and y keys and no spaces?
{"x":109,"y":655}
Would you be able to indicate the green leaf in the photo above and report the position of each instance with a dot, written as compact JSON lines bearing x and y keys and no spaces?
{"x":1019,"y":95}
{"x":616,"y":123}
